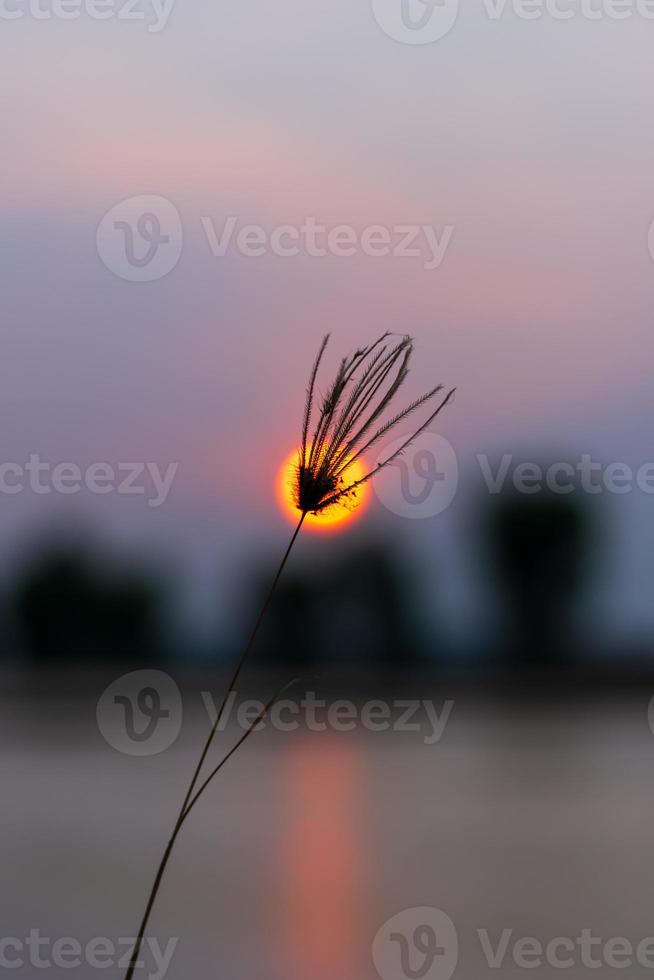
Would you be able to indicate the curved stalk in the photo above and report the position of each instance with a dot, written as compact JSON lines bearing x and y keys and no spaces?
{"x":184,"y":809}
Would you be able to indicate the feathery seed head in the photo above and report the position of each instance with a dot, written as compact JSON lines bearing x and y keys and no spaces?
{"x":351,"y":420}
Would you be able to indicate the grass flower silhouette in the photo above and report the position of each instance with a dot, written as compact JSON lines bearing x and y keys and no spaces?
{"x":349,"y":422}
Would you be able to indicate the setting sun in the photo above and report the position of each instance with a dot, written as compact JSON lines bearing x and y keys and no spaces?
{"x":333,"y":518}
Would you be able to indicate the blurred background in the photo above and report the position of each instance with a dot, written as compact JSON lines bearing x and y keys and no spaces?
{"x":153,"y":377}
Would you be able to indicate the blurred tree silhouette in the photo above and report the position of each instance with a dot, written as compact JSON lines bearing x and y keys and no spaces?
{"x":354,"y":612}
{"x":67,"y":605}
{"x":539,"y":547}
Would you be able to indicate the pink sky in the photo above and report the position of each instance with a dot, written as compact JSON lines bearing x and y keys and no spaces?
{"x":533,"y":140}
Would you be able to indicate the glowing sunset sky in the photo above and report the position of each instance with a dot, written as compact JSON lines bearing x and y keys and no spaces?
{"x":532,"y":139}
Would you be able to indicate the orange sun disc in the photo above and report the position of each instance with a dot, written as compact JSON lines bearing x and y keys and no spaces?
{"x":332,"y":518}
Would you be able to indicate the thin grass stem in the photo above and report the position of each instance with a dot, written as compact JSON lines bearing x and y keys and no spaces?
{"x":188,"y":801}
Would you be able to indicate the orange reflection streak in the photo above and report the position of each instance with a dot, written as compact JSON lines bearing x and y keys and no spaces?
{"x":321,"y":901}
{"x":333,"y":518}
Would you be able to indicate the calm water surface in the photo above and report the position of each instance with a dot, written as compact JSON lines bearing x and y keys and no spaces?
{"x":535,"y":821}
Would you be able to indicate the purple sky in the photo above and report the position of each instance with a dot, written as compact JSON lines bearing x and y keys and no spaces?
{"x":531,"y":140}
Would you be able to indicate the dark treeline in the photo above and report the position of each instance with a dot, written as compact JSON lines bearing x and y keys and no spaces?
{"x":539,"y":554}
